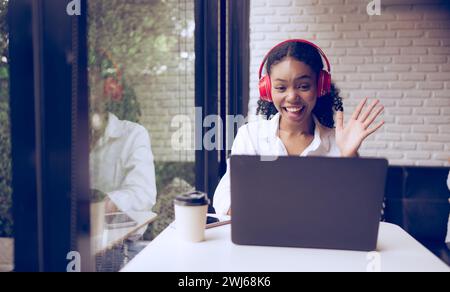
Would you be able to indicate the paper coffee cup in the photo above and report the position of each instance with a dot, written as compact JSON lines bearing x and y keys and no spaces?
{"x":190,"y":216}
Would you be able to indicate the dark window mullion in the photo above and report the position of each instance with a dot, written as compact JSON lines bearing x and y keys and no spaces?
{"x":206,"y":47}
{"x":239,"y":59}
{"x":234,"y":64}
{"x":223,"y":86}
{"x":23,"y":143}
{"x":44,"y":115}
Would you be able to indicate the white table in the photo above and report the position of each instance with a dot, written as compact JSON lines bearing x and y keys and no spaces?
{"x":397,"y":251}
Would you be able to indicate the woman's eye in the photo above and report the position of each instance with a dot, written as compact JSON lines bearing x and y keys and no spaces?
{"x":304,"y":87}
{"x":280,"y":88}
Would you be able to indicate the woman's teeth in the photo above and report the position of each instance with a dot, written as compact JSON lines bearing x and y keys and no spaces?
{"x":294,"y":109}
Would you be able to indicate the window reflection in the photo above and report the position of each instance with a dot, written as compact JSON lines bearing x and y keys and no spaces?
{"x":141,"y":75}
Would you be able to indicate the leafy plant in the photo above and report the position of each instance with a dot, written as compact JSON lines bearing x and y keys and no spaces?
{"x":128,"y":40}
{"x":141,"y":43}
{"x":172,"y":179}
{"x":167,"y":171}
{"x":119,"y":96}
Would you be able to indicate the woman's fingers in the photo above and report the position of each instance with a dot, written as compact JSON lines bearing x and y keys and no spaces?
{"x":368,"y":111}
{"x":358,"y":110}
{"x":375,"y":128}
{"x":372,"y":118}
{"x":339,"y":120}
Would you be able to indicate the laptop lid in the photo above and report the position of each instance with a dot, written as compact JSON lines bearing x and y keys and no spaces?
{"x":309,"y":202}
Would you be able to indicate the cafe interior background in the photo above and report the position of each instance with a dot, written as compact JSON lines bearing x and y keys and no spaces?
{"x":401,"y":57}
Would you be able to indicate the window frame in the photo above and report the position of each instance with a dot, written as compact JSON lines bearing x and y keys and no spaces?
{"x":50,"y":159}
{"x":222,"y":29}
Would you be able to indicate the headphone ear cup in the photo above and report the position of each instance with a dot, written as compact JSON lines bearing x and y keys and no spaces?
{"x":324,"y":84}
{"x":265,"y":88}
{"x":327,"y":82}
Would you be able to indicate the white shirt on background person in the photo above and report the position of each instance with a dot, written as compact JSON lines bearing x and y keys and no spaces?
{"x":121,"y":165}
{"x":261,"y":138}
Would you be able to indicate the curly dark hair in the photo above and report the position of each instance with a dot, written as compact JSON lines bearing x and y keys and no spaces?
{"x":326,"y":105}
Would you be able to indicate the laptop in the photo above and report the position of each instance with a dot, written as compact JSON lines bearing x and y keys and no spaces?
{"x":308,"y":202}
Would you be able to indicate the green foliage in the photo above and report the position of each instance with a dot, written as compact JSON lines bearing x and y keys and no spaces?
{"x":166,"y":171}
{"x":141,"y":43}
{"x":128,"y":107}
{"x":3,"y":26}
{"x":6,"y":222}
{"x":131,"y":37}
{"x":172,"y":179}
{"x":134,"y":46}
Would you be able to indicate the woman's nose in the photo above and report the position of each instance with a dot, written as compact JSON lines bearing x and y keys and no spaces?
{"x":292,"y":95}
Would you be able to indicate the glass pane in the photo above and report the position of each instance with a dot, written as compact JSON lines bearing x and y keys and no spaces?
{"x":6,"y":222}
{"x":141,"y":79}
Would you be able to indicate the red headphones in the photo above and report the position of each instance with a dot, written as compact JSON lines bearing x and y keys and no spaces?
{"x":324,"y":82}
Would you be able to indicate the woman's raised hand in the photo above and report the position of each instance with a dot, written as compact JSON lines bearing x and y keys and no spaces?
{"x":349,"y":137}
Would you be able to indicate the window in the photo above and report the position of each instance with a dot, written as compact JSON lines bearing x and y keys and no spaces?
{"x":142,"y":111}
{"x":108,"y":113}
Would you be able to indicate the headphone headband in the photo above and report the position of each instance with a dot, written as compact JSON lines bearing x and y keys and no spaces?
{"x":295,"y":41}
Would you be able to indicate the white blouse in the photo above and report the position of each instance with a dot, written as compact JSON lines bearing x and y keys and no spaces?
{"x":261,"y":138}
{"x":121,"y":165}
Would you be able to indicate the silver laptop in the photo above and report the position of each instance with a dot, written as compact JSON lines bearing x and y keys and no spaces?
{"x":308,"y":202}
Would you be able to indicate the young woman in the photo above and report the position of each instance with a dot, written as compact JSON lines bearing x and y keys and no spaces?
{"x":298,"y":102}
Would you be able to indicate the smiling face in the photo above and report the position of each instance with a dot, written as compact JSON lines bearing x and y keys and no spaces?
{"x":294,"y":90}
